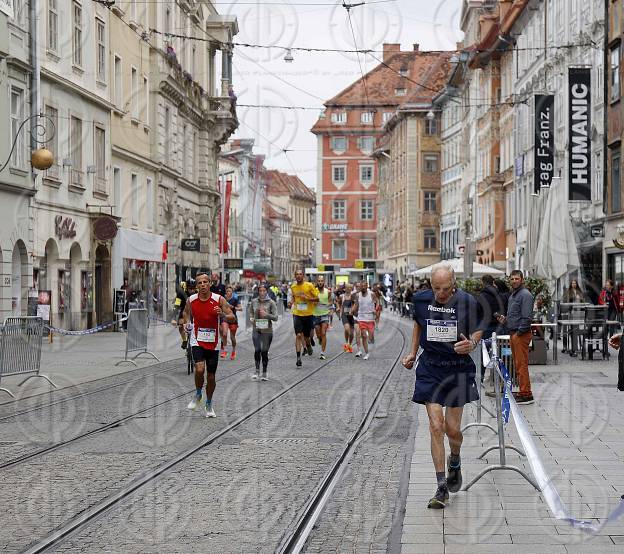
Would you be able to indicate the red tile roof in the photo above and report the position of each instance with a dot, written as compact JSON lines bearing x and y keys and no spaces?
{"x":427,"y":73}
{"x":283,"y":184}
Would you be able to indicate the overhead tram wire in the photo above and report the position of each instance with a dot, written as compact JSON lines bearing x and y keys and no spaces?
{"x":591,"y":44}
{"x":349,"y":7}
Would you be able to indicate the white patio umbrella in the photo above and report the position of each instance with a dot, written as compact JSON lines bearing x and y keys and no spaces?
{"x":556,"y":252}
{"x":458,"y":266}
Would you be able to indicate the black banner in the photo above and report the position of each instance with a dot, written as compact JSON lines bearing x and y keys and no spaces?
{"x":544,"y":141}
{"x":579,"y":133}
{"x":190,"y":245}
{"x":232,"y":263}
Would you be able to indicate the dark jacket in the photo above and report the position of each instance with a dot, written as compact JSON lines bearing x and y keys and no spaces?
{"x":520,"y":311}
{"x":490,"y":303}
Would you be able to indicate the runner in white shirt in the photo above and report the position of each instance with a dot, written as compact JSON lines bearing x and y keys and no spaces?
{"x":364,"y":306}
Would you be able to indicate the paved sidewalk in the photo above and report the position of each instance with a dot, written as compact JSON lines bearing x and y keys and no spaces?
{"x":576,"y":422}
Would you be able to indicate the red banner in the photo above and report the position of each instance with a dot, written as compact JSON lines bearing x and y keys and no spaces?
{"x":225,"y":218}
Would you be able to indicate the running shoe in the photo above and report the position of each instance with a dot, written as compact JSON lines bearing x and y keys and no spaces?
{"x":184,"y":344}
{"x":264,"y":377}
{"x":299,"y":362}
{"x":255,"y":376}
{"x":223,"y":354}
{"x":365,"y":356}
{"x":322,"y":356}
{"x":345,"y":347}
{"x":441,"y":496}
{"x":349,"y":348}
{"x":310,"y":351}
{"x":194,"y":403}
{"x":358,"y":354}
{"x":233,"y":356}
{"x":209,"y":411}
{"x":453,"y":476}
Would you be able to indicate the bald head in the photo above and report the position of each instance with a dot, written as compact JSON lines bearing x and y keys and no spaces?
{"x":442,"y":282}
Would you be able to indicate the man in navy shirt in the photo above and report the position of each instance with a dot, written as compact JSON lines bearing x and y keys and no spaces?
{"x":447,"y":328}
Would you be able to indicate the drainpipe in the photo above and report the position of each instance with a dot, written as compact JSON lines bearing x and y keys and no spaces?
{"x":35,"y":77}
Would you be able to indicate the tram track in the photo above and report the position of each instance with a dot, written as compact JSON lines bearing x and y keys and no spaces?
{"x":119,"y":421}
{"x":105,"y":388}
{"x":304,"y":521}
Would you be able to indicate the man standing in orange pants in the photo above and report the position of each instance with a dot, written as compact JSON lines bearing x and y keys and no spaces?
{"x":518,"y":322}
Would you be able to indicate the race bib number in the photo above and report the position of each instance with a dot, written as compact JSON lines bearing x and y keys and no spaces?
{"x":441,"y":331}
{"x":262,"y":323}
{"x":178,"y":302}
{"x":206,"y":335}
{"x":302,"y":306}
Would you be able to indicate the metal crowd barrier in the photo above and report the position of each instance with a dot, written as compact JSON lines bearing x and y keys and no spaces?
{"x":136,"y":335}
{"x":20,"y":349}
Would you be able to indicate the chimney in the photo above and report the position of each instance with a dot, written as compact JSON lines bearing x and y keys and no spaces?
{"x":390,"y":50}
{"x":416,"y":47}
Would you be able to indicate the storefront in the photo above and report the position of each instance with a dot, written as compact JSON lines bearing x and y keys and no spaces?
{"x":139,"y":265}
{"x":61,"y":268}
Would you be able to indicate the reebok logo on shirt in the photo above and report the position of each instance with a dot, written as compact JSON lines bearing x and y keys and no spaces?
{"x":441,"y":309}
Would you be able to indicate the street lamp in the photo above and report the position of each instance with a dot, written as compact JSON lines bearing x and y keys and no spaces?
{"x":41,"y":158}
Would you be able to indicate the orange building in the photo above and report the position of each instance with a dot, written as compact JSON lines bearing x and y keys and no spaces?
{"x":349,"y":132}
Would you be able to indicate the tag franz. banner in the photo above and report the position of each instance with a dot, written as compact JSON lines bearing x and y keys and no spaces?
{"x":544,"y":141}
{"x":579,"y":133}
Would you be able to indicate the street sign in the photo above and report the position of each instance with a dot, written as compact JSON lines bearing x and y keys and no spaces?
{"x":232,"y":263}
{"x":597,"y":231}
{"x":190,"y":245}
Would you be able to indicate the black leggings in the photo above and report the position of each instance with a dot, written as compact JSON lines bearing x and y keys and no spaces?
{"x":262,"y":343}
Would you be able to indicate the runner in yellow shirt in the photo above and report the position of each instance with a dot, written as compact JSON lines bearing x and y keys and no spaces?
{"x":303,"y":297}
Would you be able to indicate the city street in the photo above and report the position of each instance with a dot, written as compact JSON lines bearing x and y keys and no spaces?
{"x":146,"y":475}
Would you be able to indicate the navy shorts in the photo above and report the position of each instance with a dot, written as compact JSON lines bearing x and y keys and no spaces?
{"x":303,"y":324}
{"x":448,"y":385}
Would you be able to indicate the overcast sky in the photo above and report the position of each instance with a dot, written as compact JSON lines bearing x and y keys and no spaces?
{"x":262,"y":77}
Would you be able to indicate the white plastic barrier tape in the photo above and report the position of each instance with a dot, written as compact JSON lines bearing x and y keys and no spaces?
{"x":545,"y":483}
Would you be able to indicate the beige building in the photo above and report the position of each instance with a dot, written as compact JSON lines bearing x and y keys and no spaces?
{"x":290,"y":196}
{"x":408,"y":224}
{"x":139,"y":119}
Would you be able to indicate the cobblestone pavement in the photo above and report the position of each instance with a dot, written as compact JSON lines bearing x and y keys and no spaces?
{"x":245,"y":488}
{"x":576,"y":423}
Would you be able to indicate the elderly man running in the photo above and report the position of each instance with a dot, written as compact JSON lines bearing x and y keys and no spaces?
{"x":447,"y":328}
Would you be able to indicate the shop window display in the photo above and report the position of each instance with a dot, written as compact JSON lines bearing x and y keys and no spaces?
{"x":145,"y":285}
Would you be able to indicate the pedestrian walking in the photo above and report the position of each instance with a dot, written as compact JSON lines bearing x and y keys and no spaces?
{"x":201,"y":319}
{"x":447,"y":328}
{"x":321,"y":313}
{"x":518,"y":322}
{"x":303,"y":298}
{"x":263,"y":312}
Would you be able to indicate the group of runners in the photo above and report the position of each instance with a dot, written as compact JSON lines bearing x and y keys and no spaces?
{"x":447,"y":327}
{"x":208,"y":314}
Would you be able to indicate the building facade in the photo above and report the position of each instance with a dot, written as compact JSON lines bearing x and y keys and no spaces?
{"x":17,"y":185}
{"x":614,"y":210}
{"x":289,"y":196}
{"x":408,"y":199}
{"x":138,"y":120}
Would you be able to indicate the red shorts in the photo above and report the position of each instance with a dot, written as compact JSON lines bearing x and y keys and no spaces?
{"x":232,"y":326}
{"x":368,"y":325}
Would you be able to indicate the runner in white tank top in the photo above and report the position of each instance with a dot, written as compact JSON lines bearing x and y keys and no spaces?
{"x":364,"y":312}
